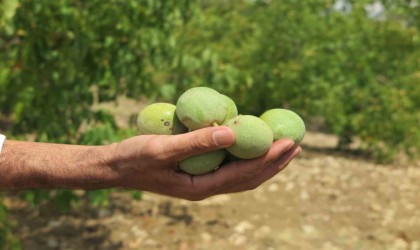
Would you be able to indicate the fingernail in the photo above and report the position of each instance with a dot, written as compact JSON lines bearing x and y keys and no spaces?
{"x":223,"y":137}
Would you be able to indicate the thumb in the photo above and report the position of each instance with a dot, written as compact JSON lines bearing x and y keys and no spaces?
{"x":182,"y":146}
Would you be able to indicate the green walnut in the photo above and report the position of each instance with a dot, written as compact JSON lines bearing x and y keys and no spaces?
{"x":253,"y":137}
{"x":159,"y":119}
{"x":232,"y":110}
{"x":203,"y":163}
{"x":285,"y":124}
{"x":201,"y":107}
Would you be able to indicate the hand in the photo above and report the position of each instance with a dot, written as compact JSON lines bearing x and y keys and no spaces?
{"x":150,"y":163}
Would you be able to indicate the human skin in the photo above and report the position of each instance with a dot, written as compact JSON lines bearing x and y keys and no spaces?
{"x":146,"y":162}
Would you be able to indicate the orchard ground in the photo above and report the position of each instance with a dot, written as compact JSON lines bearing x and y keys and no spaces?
{"x":324,"y":200}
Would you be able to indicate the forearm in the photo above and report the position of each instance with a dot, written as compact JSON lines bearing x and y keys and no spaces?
{"x":25,"y":165}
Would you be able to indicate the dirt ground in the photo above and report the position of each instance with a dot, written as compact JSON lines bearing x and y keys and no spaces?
{"x":323,"y":200}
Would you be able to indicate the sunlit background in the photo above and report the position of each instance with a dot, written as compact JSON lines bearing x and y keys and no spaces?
{"x":74,"y":71}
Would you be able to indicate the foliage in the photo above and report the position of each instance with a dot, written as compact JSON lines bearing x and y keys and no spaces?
{"x":58,"y":50}
{"x":352,"y":70}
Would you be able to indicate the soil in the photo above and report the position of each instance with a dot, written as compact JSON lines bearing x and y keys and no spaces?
{"x":323,"y":200}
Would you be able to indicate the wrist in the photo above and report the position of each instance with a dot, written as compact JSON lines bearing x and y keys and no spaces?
{"x":99,"y":171}
{"x":90,"y":167}
{"x":116,"y":164}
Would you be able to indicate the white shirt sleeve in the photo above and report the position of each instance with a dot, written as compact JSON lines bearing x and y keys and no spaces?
{"x":2,"y":139}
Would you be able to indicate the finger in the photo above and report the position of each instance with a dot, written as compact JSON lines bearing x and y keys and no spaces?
{"x":268,"y":171}
{"x":182,"y":146}
{"x":266,"y":174}
{"x":239,"y":171}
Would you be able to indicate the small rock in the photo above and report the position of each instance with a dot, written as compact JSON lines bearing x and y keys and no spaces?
{"x":399,"y":244}
{"x":55,"y":223}
{"x":308,"y":229}
{"x":388,"y":217}
{"x":90,"y":222}
{"x":206,"y":237}
{"x":290,"y":186}
{"x":218,"y":199}
{"x":415,"y":245}
{"x":238,"y":239}
{"x":184,"y":246}
{"x":150,"y":242}
{"x":376,"y":207}
{"x":134,"y":244}
{"x":138,"y":233}
{"x":256,"y":217}
{"x":329,"y":246}
{"x":52,"y":243}
{"x":104,"y":213}
{"x":304,"y":195}
{"x":79,"y":193}
{"x":243,"y":226}
{"x":409,"y":206}
{"x":273,"y":187}
{"x":262,"y":232}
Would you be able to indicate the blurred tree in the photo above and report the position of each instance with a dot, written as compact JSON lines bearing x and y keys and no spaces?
{"x":355,"y":71}
{"x":56,"y":51}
